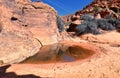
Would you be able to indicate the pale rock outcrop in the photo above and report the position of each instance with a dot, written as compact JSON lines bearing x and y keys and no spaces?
{"x":25,"y":26}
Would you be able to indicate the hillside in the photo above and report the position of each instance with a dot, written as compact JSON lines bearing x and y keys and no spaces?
{"x":102,"y":7}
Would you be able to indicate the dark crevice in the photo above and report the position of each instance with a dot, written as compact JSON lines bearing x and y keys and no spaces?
{"x":37,"y":7}
{"x":1,"y":27}
{"x":14,"y":19}
{"x":115,"y":45}
{"x":25,"y":7}
{"x":39,"y":41}
{"x":25,"y":25}
{"x":114,"y":9}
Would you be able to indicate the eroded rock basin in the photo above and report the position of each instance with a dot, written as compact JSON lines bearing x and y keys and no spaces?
{"x":104,"y":63}
{"x":58,"y":53}
{"x":57,"y":67}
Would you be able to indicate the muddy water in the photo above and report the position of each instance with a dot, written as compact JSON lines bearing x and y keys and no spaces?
{"x":59,"y":53}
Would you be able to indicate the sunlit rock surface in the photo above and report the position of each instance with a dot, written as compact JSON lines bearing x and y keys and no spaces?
{"x":25,"y":26}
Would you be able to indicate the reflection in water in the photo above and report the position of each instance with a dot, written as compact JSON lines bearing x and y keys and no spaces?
{"x":59,"y":53}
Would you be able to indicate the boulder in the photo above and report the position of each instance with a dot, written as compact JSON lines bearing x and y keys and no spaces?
{"x":25,"y":26}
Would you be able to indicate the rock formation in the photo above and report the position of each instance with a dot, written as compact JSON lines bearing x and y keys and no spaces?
{"x":99,"y":9}
{"x":25,"y":26}
{"x":102,"y":7}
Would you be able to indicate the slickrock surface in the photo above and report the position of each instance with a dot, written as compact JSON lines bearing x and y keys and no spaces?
{"x":105,"y":64}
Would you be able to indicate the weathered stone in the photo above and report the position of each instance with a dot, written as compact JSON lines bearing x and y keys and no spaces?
{"x":102,"y":7}
{"x":25,"y":27}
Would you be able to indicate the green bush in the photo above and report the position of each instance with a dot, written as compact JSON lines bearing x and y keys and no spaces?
{"x":96,"y":9}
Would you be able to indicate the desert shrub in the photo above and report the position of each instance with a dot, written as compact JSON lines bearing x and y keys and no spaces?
{"x":117,"y":25}
{"x":110,"y":18}
{"x":60,"y":24}
{"x":96,"y":9}
{"x":87,"y":27}
{"x":81,"y":29}
{"x":92,"y":25}
{"x":105,"y":25}
{"x":112,"y":21}
{"x":86,"y":17}
{"x":93,"y":28}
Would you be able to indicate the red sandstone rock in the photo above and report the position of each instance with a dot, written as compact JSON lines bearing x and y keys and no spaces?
{"x":25,"y":27}
{"x":102,"y":7}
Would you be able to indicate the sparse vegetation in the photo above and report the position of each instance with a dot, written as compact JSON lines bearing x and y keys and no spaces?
{"x":118,"y":11}
{"x":96,"y":9}
{"x":92,"y":25}
{"x":87,"y":27}
{"x":68,"y":23}
{"x":60,"y":24}
{"x":105,"y":25}
{"x":86,"y":17}
{"x":118,"y":25}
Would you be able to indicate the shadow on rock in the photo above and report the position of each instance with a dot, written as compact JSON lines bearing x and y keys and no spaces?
{"x":3,"y":74}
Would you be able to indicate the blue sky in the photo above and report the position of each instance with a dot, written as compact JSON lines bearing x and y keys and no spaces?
{"x":65,"y":7}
